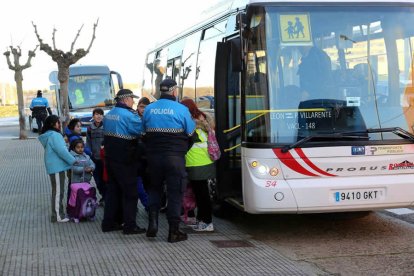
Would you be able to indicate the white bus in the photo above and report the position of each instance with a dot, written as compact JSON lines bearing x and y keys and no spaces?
{"x":312,"y":101}
{"x":90,"y":86}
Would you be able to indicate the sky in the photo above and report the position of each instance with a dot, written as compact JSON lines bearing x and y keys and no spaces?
{"x":127,"y":29}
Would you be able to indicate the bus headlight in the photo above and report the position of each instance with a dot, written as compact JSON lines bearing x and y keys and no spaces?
{"x":274,"y":171}
{"x":263,"y":170}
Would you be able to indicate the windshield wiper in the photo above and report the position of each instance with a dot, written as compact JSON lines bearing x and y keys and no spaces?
{"x":396,"y":130}
{"x":335,"y":135}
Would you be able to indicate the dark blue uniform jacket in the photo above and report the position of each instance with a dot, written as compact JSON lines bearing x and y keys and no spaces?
{"x":122,"y":128}
{"x":168,"y":127}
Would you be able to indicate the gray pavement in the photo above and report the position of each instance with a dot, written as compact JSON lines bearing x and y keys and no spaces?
{"x":31,"y":245}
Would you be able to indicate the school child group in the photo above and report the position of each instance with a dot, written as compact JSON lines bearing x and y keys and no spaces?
{"x":80,"y":162}
{"x":68,"y":158}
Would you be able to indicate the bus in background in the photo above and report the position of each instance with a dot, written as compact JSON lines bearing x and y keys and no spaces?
{"x":313,"y":101}
{"x":90,"y":86}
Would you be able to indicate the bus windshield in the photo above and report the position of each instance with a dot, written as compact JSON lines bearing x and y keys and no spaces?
{"x":86,"y":91}
{"x":320,"y":70}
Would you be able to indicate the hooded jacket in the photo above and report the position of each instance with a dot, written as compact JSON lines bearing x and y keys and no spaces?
{"x":72,"y":136}
{"x":57,"y":157}
{"x":82,"y":161}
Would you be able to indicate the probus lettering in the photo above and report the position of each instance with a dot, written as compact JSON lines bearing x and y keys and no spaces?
{"x":352,"y":169}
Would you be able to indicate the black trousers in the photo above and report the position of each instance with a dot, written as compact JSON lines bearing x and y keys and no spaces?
{"x":171,"y":171}
{"x":39,"y":123}
{"x":121,"y":195}
{"x":202,"y":195}
{"x":98,"y":176}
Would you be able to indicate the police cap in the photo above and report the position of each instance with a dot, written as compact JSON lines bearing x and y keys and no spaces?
{"x":167,"y":85}
{"x":124,"y":93}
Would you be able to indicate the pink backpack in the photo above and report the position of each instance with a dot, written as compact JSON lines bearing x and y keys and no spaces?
{"x":213,"y":146}
{"x":189,"y":201}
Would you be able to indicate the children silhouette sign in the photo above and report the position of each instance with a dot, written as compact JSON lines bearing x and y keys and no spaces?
{"x":295,"y":29}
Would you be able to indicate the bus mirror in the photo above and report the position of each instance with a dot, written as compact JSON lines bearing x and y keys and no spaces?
{"x":241,"y":21}
{"x":235,"y":55}
{"x":53,"y":77}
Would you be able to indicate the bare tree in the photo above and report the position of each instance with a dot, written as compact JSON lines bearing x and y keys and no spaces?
{"x":64,"y":60}
{"x":18,"y":77}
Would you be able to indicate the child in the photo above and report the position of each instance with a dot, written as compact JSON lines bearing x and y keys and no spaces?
{"x":84,"y":167}
{"x":74,"y":131}
{"x":143,"y":177}
{"x":94,"y":141}
{"x":58,"y":161}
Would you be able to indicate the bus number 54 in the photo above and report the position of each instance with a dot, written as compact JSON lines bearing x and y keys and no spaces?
{"x":270,"y":183}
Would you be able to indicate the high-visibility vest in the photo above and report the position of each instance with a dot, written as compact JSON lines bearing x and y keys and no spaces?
{"x":198,"y":154}
{"x":79,"y":97}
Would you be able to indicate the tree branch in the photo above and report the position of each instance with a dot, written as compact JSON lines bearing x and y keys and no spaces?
{"x":16,"y":55}
{"x":53,"y":38}
{"x":44,"y":46}
{"x":31,"y":55}
{"x":93,"y":35}
{"x":7,"y":54}
{"x":37,"y":34}
{"x":76,"y":38}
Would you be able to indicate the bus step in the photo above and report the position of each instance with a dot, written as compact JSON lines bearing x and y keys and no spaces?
{"x":237,"y":202}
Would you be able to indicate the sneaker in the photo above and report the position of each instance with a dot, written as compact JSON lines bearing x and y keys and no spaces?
{"x":191,"y":221}
{"x":204,"y":227}
{"x":63,"y":220}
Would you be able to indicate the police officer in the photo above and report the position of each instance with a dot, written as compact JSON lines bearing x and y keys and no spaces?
{"x":122,"y":128}
{"x":168,"y":131}
{"x":40,"y":108}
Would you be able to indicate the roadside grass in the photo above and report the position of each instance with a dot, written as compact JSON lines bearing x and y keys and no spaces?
{"x":8,"y":111}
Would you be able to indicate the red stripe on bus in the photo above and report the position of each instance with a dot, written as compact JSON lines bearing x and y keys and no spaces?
{"x":310,"y":164}
{"x":290,"y":162}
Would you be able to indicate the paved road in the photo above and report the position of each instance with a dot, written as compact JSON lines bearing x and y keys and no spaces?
{"x":31,"y":245}
{"x":9,"y":129}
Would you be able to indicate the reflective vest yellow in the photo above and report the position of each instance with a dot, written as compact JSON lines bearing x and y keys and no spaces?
{"x":79,"y":97}
{"x":198,"y":154}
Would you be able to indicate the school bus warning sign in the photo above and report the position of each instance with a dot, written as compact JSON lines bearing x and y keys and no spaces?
{"x":295,"y":29}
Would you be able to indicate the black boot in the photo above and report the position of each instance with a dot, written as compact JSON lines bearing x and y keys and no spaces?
{"x":175,"y":235}
{"x":152,"y":224}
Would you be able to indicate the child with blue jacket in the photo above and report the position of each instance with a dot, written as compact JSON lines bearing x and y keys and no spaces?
{"x":74,"y":131}
{"x":58,"y":161}
{"x":83,"y":168}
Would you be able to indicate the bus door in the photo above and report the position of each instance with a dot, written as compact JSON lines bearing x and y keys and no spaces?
{"x":227,"y":114}
{"x":173,"y":71}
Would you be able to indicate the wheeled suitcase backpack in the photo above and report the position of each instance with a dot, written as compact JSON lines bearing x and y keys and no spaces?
{"x":82,"y":201}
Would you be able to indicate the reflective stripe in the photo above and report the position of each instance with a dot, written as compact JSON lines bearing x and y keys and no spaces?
{"x":57,"y":196}
{"x":200,"y":145}
{"x":122,"y":136}
{"x":165,"y":130}
{"x":198,"y":154}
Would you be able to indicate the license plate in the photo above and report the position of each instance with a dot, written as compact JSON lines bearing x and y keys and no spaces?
{"x":359,"y":195}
